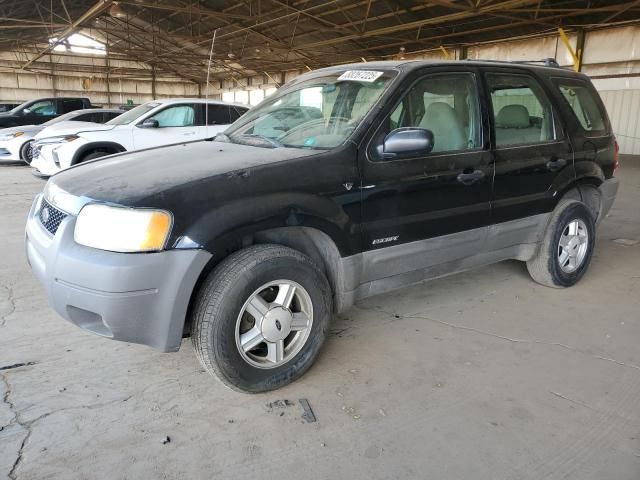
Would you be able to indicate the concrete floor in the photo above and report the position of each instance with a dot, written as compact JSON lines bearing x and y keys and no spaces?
{"x":483,"y":375}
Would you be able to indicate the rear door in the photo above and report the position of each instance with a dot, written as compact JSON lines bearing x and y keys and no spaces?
{"x":176,"y":123}
{"x":531,"y":150}
{"x":434,"y":207}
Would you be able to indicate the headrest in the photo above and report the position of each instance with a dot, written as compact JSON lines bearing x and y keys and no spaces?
{"x":513,"y":116}
{"x":440,"y":109}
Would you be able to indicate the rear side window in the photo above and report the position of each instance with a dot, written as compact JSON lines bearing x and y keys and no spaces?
{"x":586,"y":108}
{"x":69,"y":105}
{"x":522,"y":112}
{"x":217,"y":115}
{"x":236,"y":112}
{"x":89,"y":117}
{"x":109,"y":116}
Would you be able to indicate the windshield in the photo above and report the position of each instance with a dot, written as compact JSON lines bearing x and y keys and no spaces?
{"x":319,"y":113}
{"x":133,"y":114}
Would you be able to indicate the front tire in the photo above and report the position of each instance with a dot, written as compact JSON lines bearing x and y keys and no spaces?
{"x":93,"y":156}
{"x":566,"y":249}
{"x":260,"y":318}
{"x":26,"y":152}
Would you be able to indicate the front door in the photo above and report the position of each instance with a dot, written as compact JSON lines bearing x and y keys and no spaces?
{"x":433,"y":207}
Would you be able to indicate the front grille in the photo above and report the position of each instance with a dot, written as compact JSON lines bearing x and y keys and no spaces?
{"x":50,"y":217}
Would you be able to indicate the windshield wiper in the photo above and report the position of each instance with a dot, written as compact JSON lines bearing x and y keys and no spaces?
{"x":271,"y":141}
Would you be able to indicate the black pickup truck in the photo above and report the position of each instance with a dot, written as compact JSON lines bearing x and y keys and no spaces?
{"x":40,"y":110}
{"x":379,"y":175}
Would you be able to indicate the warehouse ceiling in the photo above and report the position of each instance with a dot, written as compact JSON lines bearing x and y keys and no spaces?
{"x":270,"y":36}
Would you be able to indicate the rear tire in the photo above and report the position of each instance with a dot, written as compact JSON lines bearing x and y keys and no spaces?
{"x":566,"y":249}
{"x":260,"y":318}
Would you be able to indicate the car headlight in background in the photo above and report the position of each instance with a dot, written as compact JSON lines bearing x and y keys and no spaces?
{"x":10,"y":136}
{"x":60,"y":139}
{"x":120,"y":229}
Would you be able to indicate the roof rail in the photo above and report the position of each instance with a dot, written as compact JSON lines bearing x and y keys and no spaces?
{"x":547,"y":62}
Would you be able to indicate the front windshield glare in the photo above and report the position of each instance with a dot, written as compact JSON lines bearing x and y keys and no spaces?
{"x":133,"y":114}
{"x":319,"y":113}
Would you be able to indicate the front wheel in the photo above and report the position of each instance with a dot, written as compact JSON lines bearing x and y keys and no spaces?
{"x":566,"y":249}
{"x":260,"y":318}
{"x":26,"y":152}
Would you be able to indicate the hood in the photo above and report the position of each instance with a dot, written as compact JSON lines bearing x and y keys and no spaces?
{"x":147,"y":177}
{"x":71,"y":127}
{"x":22,"y":128}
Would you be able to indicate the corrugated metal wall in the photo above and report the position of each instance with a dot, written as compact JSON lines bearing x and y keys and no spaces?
{"x":623,"y":107}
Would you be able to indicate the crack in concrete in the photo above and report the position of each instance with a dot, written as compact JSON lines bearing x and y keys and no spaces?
{"x":501,"y":337}
{"x":14,"y":420}
{"x":28,"y":425}
{"x":12,"y":305}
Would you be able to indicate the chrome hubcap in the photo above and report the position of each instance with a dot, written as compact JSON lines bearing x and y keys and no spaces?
{"x":573,"y":245}
{"x":274,"y":324}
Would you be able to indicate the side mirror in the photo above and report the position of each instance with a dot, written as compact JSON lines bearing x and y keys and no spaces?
{"x":149,"y":123}
{"x":407,"y":141}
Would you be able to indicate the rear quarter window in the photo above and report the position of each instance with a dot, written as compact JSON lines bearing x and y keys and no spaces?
{"x":585,"y":104}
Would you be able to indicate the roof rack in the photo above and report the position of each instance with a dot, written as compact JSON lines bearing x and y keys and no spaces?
{"x":547,"y":62}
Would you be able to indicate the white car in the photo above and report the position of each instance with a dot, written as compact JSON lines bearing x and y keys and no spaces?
{"x":15,"y":142}
{"x":153,"y":124}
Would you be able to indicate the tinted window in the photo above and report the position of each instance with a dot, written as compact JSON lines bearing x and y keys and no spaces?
{"x":445,"y":104}
{"x":107,"y":116}
{"x":95,"y":117}
{"x":235,"y":113}
{"x":43,"y":107}
{"x":217,"y":115}
{"x":583,"y":102}
{"x":176,"y":116}
{"x":69,"y":105}
{"x":522,"y":112}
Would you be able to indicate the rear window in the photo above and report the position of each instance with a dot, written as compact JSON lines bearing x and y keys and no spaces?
{"x":585,"y":105}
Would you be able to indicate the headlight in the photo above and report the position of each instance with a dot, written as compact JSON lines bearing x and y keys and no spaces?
{"x":10,"y":136}
{"x":121,"y":229}
{"x":60,"y":139}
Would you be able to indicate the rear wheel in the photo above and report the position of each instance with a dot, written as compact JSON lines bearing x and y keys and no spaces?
{"x":565,"y":253}
{"x":260,"y":317}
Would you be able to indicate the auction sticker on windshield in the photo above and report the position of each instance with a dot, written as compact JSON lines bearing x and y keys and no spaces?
{"x":360,"y":75}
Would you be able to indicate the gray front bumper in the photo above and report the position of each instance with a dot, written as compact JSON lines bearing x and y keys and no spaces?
{"x":139,"y":298}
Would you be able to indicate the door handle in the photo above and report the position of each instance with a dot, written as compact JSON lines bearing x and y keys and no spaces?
{"x":556,"y":164}
{"x":471,"y":177}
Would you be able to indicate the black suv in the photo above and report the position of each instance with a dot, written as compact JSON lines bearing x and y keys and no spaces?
{"x":35,"y":112}
{"x":379,"y":175}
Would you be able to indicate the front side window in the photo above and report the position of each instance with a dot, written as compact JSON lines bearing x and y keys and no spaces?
{"x":584,"y":105}
{"x":522,"y":112}
{"x":319,"y":113}
{"x":42,"y":108}
{"x":176,"y":116}
{"x":447,"y":105}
